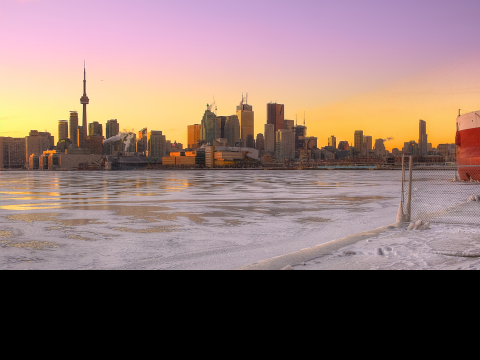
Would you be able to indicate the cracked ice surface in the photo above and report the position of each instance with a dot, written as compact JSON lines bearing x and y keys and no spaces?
{"x":183,"y":219}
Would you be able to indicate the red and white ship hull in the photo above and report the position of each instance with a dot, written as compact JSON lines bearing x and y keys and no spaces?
{"x":468,"y":146}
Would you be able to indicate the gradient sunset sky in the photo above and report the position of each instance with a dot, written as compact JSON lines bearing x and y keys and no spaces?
{"x":371,"y":65}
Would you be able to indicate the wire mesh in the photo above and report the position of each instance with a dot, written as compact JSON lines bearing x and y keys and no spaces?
{"x":446,"y":194}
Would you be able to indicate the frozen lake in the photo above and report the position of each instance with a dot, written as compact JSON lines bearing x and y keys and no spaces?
{"x":183,"y":219}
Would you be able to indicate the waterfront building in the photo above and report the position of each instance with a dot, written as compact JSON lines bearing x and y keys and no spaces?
{"x":12,"y":153}
{"x":246,"y":117}
{"x":62,"y":130}
{"x":95,"y":128}
{"x":269,"y":138}
{"x":38,"y":142}
{"x":156,"y":145}
{"x":285,"y":145}
{"x":232,"y":130}
{"x":276,"y":116}
{"x":208,"y":126}
{"x":332,"y":142}
{"x":194,"y":135}
{"x":358,"y":141}
{"x":73,"y":127}
{"x":423,"y":138}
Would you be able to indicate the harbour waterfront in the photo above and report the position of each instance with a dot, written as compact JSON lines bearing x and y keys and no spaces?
{"x":183,"y":219}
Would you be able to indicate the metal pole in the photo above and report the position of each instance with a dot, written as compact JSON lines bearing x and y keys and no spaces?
{"x":410,"y":184}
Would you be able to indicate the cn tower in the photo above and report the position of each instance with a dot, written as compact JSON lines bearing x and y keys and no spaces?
{"x":84,"y":101}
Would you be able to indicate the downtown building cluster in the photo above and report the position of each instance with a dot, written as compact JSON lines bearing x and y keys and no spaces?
{"x":217,"y":142}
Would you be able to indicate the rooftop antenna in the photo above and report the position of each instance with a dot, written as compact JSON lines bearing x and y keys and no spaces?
{"x":296,"y":120}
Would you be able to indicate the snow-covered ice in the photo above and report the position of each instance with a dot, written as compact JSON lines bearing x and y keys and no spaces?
{"x":183,"y":219}
{"x":442,"y":247}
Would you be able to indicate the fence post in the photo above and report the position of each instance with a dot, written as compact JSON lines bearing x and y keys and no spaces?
{"x":410,"y":185}
{"x":400,"y":214}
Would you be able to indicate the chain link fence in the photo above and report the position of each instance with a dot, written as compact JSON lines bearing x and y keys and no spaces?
{"x":446,"y":194}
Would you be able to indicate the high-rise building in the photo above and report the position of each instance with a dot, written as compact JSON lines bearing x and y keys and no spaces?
{"x":208,"y":126}
{"x":380,"y":148}
{"x":84,"y":101}
{"x":62,"y":130}
{"x":276,"y":115}
{"x":112,"y":128}
{"x":285,"y":145}
{"x":289,"y":124}
{"x":73,"y":127}
{"x":358,"y":141}
{"x":368,"y":143}
{"x":38,"y":142}
{"x":300,"y":135}
{"x":156,"y":145}
{"x":311,"y":143}
{"x":332,"y":142}
{"x":81,"y":138}
{"x":423,"y":138}
{"x":232,"y":130}
{"x":12,"y":153}
{"x":142,"y":141}
{"x":95,"y":128}
{"x":194,"y":135}
{"x":220,"y":122}
{"x":269,"y":138}
{"x":260,"y":143}
{"x":246,"y":117}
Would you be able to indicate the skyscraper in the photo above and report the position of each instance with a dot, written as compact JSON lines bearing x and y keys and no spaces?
{"x":194,"y":135}
{"x":84,"y":101}
{"x":368,"y":143}
{"x":232,"y":130}
{"x":156,"y":145}
{"x":112,"y":128}
{"x":269,"y":138}
{"x":95,"y":128}
{"x":358,"y":141}
{"x":423,"y":138}
{"x":208,"y":126}
{"x":285,"y":145}
{"x":73,"y":127}
{"x":289,"y":124}
{"x":246,"y":117}
{"x":62,"y":130}
{"x":332,"y":142}
{"x":276,"y":115}
{"x":260,"y":143}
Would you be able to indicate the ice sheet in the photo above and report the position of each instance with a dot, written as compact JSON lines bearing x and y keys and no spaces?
{"x":183,"y":219}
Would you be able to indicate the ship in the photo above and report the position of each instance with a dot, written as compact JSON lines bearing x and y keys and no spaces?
{"x":468,"y":146}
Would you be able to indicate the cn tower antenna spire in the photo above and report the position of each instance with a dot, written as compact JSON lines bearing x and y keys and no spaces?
{"x":84,"y":100}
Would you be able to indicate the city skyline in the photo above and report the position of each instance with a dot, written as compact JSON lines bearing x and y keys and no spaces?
{"x":373,"y":74}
